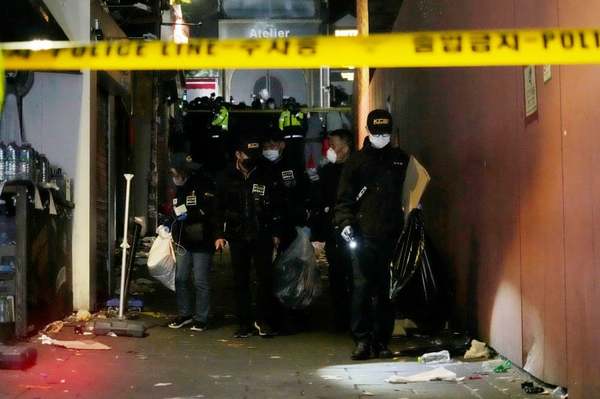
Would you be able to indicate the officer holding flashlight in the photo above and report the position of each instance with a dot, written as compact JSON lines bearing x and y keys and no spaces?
{"x":370,"y":217}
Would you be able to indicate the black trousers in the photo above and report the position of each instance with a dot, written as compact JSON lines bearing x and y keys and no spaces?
{"x":244,"y":254}
{"x":340,"y":280}
{"x":372,"y":311}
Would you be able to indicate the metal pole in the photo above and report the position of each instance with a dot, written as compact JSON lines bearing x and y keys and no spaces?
{"x":124,"y":245}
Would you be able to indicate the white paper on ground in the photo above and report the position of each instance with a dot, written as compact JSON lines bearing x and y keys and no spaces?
{"x":93,"y":345}
{"x":437,"y":374}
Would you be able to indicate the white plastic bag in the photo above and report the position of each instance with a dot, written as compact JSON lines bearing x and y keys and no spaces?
{"x":161,"y":259}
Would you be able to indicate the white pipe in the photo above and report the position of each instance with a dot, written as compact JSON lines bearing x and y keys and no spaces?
{"x":124,"y":246}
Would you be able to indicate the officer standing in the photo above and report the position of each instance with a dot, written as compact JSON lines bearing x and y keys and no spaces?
{"x":192,"y":231}
{"x":291,"y":179}
{"x":370,"y":216}
{"x":336,"y":249}
{"x":248,"y":219}
{"x":216,"y":142}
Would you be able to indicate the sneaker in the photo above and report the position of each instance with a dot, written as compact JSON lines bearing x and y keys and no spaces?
{"x":242,"y":332}
{"x":198,"y":326}
{"x":180,"y":322}
{"x":264,"y":330}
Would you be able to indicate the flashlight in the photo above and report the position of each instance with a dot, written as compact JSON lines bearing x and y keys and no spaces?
{"x":352,"y":244}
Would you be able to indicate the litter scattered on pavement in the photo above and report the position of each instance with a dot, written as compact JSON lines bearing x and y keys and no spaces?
{"x":530,"y":388}
{"x":401,"y":327}
{"x":366,"y":393}
{"x":163,"y":384}
{"x":435,"y":357}
{"x":54,"y":327}
{"x":111,"y":334}
{"x":275,"y":357}
{"x":83,"y":315}
{"x":332,"y":377}
{"x":478,"y":350}
{"x":504,"y":367}
{"x":437,"y":374}
{"x":89,"y":345}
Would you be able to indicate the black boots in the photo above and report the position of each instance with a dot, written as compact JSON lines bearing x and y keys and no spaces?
{"x":381,"y":351}
{"x":362,"y":351}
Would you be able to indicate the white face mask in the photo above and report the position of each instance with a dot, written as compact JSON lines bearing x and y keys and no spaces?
{"x":271,"y":155}
{"x":179,"y":181}
{"x":380,"y":140}
{"x":331,"y":155}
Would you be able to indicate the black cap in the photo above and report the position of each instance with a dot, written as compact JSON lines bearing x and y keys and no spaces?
{"x":183,"y":161}
{"x":273,"y":133}
{"x":248,"y":145}
{"x":379,"y":121}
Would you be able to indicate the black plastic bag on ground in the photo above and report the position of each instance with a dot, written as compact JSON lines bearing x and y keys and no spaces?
{"x":411,"y":263}
{"x":297,"y":279}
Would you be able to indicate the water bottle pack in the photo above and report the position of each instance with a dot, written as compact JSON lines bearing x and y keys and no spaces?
{"x":25,"y":163}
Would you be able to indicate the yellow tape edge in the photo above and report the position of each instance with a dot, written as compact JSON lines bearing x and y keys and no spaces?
{"x":414,"y":49}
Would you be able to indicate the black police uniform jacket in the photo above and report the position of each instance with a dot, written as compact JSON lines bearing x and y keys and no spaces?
{"x":196,"y":232}
{"x":370,"y":192}
{"x":329,"y":179}
{"x":248,"y":208}
{"x":293,"y":184}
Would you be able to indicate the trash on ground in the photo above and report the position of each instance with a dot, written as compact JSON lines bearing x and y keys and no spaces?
{"x":401,"y":327}
{"x":476,"y":377}
{"x":54,"y":327}
{"x":112,"y":334}
{"x":366,"y":393}
{"x":17,"y":357}
{"x":437,"y":374}
{"x":163,"y":384}
{"x":217,"y":377}
{"x":504,"y":367}
{"x":88,"y":345}
{"x":477,"y":350}
{"x":83,"y":315}
{"x":275,"y":357}
{"x":435,"y":357}
{"x":530,"y":388}
{"x":332,"y":377}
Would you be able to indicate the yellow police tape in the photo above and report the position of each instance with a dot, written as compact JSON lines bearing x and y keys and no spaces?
{"x":417,"y":49}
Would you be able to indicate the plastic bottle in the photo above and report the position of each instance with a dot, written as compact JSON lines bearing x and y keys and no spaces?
{"x":44,"y":169}
{"x":435,"y":357}
{"x":10,"y":164}
{"x":2,"y":162}
{"x":25,"y":162}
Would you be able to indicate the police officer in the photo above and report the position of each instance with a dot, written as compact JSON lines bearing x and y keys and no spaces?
{"x":336,"y":249}
{"x":221,"y":115}
{"x":291,"y":179}
{"x":192,"y":231}
{"x":293,"y":123}
{"x":370,"y":217}
{"x":215,"y":141}
{"x":248,"y":219}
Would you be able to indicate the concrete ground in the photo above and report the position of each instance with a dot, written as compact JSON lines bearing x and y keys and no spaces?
{"x":184,"y":364}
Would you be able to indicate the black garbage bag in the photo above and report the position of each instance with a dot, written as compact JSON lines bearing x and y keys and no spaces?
{"x":411,"y":263}
{"x":297,"y":279}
